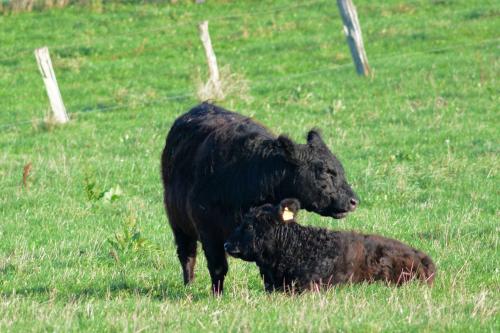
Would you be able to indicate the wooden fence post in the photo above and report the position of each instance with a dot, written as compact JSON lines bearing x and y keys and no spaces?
{"x":211,"y":60}
{"x":49,"y":79}
{"x":352,"y":31}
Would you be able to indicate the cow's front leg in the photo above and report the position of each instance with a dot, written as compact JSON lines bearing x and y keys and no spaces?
{"x":213,"y":246}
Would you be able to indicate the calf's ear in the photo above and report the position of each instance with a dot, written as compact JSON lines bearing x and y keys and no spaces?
{"x":288,"y":209}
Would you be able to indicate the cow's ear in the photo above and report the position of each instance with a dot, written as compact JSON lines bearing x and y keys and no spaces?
{"x":314,"y":138}
{"x":288,"y":209}
{"x":288,"y":147}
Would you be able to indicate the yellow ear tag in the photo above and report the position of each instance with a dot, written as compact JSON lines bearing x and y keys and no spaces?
{"x":287,"y":214}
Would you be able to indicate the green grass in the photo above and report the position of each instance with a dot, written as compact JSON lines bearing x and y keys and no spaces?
{"x":419,"y":141}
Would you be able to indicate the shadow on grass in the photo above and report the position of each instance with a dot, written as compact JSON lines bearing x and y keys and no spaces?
{"x":115,"y":289}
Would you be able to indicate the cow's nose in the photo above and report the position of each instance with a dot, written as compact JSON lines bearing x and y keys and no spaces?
{"x":226,"y":247}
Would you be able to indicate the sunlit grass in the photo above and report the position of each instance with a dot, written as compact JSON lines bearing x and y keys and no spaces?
{"x":419,"y":141}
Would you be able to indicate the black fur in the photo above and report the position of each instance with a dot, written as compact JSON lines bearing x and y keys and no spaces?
{"x":294,"y":257}
{"x":217,"y":164}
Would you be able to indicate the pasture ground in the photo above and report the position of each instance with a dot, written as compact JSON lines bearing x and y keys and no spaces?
{"x":419,"y":141}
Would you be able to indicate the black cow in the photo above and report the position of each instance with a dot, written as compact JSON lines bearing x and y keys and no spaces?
{"x":216,"y":164}
{"x":293,"y":257}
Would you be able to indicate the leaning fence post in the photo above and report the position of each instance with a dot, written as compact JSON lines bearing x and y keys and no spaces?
{"x":49,"y":79}
{"x":352,"y":31}
{"x":211,"y":59}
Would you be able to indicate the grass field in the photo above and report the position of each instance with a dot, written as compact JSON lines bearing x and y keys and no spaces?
{"x":419,"y":141}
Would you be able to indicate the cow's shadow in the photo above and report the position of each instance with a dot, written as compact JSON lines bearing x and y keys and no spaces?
{"x":114,"y":289}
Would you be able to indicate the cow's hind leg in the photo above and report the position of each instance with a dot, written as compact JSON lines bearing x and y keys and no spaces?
{"x":186,"y":251}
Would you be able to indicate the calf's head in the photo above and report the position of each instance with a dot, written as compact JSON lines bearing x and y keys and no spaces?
{"x":257,"y":234}
{"x":319,"y":180}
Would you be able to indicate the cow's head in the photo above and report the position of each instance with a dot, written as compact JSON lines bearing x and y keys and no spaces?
{"x":318,"y":179}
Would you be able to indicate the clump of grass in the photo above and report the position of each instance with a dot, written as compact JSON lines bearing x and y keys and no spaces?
{"x":18,"y":6}
{"x":91,"y":189}
{"x":336,"y":106}
{"x":232,"y":85}
{"x":95,"y":193}
{"x":46,"y":124}
{"x":129,"y":241}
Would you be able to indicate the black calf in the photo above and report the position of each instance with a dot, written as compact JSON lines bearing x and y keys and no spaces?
{"x":294,"y":257}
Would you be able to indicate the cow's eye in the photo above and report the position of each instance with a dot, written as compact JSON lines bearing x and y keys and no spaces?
{"x":332,"y":172}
